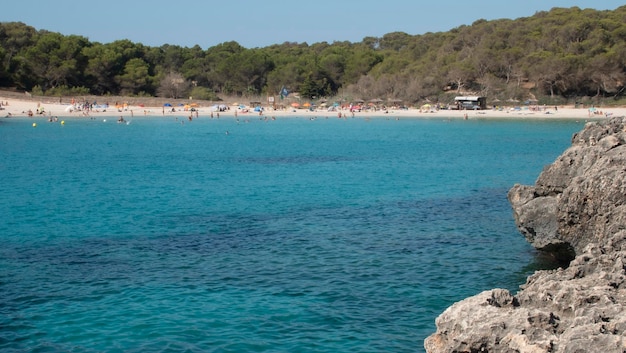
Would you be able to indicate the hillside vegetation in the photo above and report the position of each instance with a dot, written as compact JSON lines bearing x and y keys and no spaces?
{"x":562,"y":55}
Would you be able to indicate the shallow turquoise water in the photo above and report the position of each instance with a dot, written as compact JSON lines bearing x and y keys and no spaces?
{"x":291,"y":235}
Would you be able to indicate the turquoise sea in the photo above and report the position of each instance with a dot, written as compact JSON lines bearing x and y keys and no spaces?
{"x":287,"y":235}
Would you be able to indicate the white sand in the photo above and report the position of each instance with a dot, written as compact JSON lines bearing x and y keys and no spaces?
{"x":20,"y":108}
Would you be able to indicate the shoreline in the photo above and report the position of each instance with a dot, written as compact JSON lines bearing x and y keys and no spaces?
{"x":20,"y":108}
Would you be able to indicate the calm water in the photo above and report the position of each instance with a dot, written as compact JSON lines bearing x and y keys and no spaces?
{"x":279,"y":236}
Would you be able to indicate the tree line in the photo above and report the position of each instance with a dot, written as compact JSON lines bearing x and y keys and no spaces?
{"x":559,"y":55}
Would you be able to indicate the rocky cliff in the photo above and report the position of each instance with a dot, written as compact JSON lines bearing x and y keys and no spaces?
{"x":576,"y":211}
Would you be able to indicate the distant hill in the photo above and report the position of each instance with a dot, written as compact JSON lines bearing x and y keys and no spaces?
{"x":565,"y":54}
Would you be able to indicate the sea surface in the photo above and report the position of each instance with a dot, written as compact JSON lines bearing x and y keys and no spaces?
{"x":286,"y":235}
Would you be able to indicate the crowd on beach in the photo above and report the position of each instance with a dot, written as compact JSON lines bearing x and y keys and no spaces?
{"x":51,"y":110}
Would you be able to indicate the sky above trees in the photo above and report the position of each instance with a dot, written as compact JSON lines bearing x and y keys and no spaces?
{"x":258,"y":24}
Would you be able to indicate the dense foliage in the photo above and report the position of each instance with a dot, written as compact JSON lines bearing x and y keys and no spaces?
{"x":562,"y":54}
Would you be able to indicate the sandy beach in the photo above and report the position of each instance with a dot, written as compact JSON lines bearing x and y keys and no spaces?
{"x":48,"y":108}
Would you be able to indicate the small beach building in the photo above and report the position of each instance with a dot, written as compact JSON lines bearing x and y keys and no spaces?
{"x":470,"y":102}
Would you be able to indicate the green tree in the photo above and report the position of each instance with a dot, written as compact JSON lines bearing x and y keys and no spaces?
{"x":15,"y":37}
{"x":104,"y":64}
{"x":56,"y":60}
{"x":135,"y":78}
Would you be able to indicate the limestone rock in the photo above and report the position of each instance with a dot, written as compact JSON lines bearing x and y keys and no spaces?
{"x":577,"y":211}
{"x":580,"y":197}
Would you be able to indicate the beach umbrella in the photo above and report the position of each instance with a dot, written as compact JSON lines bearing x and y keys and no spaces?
{"x":306,"y":105}
{"x":295,"y":104}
